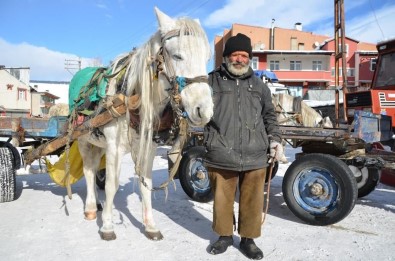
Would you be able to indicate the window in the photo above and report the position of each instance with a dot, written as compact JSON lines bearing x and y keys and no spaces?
{"x":254,"y":63}
{"x":385,"y":71}
{"x":346,"y":50}
{"x":294,"y":43}
{"x":295,"y":65}
{"x":22,"y":94}
{"x":44,"y":111}
{"x":350,"y":72}
{"x":301,"y":46}
{"x":373,"y":63}
{"x":274,"y":65}
{"x":317,"y":65}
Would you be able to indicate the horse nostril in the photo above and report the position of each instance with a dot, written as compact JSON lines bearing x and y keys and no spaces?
{"x":198,"y":111}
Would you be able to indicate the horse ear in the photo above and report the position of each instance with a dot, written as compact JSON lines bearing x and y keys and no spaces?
{"x":166,"y":23}
{"x":197,"y":21}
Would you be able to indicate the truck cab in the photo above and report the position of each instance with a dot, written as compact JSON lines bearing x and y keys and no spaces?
{"x":380,"y":99}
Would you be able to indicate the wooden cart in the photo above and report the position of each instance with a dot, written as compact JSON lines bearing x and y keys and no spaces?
{"x":334,"y":168}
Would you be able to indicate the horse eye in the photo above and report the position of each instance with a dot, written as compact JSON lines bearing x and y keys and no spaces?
{"x":177,"y":57}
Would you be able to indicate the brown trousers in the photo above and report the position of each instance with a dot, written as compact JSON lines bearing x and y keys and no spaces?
{"x":224,"y":185}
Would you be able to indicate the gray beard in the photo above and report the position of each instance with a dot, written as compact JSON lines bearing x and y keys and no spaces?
{"x":234,"y":70}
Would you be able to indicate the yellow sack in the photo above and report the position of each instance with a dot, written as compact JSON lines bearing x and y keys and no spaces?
{"x":57,"y":171}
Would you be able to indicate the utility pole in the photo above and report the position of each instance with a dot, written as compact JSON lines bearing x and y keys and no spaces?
{"x":72,"y":65}
{"x":340,"y":55}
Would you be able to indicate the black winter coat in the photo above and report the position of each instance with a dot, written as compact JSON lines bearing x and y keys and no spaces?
{"x":244,"y":121}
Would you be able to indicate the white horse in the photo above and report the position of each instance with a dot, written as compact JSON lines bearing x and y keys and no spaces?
{"x":177,"y":53}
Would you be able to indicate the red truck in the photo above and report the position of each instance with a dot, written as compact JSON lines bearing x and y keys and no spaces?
{"x":380,"y":99}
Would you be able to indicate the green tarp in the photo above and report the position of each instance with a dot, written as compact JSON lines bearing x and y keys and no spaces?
{"x":87,"y":83}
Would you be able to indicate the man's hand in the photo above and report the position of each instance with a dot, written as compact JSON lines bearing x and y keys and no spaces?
{"x":276,"y":151}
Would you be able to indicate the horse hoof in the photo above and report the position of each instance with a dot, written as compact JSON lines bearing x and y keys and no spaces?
{"x":108,"y":236}
{"x":90,"y":215}
{"x":156,"y":236}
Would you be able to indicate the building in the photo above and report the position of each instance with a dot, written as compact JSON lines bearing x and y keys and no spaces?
{"x":41,"y":102}
{"x":15,"y":94}
{"x":302,"y":60}
{"x":18,"y":99}
{"x":57,"y":88}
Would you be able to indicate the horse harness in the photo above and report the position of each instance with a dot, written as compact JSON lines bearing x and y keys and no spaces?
{"x":173,"y":117}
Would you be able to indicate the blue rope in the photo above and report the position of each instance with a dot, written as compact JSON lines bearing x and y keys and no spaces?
{"x":181,"y":83}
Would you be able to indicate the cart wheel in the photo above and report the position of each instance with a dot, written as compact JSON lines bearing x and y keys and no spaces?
{"x":319,"y":189}
{"x":101,"y":179}
{"x":7,"y":175}
{"x":367,"y":179}
{"x":194,"y":176}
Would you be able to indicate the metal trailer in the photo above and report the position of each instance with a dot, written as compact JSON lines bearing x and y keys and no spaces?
{"x":335,"y":167}
{"x":21,"y":133}
{"x":38,"y":137}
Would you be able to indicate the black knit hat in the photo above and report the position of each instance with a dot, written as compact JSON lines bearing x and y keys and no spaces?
{"x":240,"y":42}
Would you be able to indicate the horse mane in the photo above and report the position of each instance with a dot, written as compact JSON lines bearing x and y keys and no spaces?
{"x":192,"y":27}
{"x":140,"y":78}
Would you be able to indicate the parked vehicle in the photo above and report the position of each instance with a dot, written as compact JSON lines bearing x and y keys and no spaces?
{"x":271,"y":80}
{"x":22,"y":133}
{"x":380,"y":99}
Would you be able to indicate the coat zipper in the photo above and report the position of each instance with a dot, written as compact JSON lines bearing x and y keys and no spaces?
{"x":240,"y":128}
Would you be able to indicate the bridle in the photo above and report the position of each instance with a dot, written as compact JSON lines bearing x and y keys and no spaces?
{"x":178,"y":83}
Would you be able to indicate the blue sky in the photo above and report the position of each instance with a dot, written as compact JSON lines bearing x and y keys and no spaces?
{"x":42,"y":34}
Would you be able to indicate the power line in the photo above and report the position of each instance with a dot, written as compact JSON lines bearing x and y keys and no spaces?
{"x":375,"y":17}
{"x":145,"y":28}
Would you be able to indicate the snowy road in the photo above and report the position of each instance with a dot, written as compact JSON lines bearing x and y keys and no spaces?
{"x":43,"y":224}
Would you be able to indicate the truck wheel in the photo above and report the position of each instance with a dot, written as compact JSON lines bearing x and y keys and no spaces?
{"x":101,"y":179}
{"x":194,"y":176}
{"x":7,"y":175}
{"x":319,"y":189}
{"x":367,"y":179}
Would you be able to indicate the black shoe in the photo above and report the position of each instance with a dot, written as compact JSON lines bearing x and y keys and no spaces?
{"x":221,"y":245}
{"x":248,"y":247}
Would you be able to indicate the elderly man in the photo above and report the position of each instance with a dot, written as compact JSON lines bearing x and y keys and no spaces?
{"x":237,"y":139}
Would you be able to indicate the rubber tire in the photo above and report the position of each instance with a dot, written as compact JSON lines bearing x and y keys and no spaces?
{"x":201,"y":191}
{"x":338,"y":177}
{"x":101,"y":179}
{"x":197,"y":190}
{"x":7,"y":175}
{"x":367,"y":182}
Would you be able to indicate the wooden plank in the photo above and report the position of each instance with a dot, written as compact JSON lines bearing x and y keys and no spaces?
{"x":309,"y":133}
{"x":53,"y":145}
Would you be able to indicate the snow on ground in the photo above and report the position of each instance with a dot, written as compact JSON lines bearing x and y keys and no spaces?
{"x":44,"y":224}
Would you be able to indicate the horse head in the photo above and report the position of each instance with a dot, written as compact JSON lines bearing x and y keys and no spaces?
{"x":185,"y":52}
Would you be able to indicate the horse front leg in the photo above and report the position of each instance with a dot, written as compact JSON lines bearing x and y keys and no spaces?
{"x":113,"y":165}
{"x":151,"y":231}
